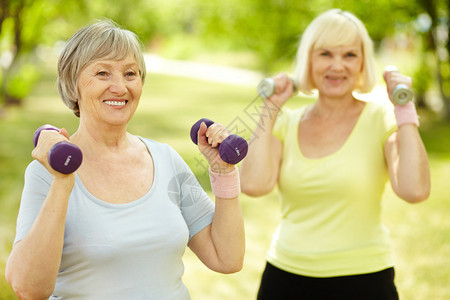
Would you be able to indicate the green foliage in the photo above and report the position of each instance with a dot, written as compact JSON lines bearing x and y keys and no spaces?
{"x":269,"y":30}
{"x":20,"y":83}
{"x":423,"y":76}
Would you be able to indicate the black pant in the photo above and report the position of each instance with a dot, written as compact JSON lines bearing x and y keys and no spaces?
{"x":277,"y":284}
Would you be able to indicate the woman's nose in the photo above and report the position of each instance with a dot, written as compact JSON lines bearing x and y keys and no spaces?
{"x":118,"y":85}
{"x":337,"y":64}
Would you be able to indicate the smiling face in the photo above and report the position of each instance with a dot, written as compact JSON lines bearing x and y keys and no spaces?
{"x":109,"y":91}
{"x":335,"y":71}
{"x":332,"y":29}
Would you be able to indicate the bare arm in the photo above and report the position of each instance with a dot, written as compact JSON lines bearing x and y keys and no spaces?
{"x":221,"y":245}
{"x":407,"y":161}
{"x":260,"y":169}
{"x":34,"y":261}
{"x":405,"y":152}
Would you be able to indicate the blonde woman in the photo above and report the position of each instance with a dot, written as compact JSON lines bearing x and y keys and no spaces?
{"x":331,"y":161}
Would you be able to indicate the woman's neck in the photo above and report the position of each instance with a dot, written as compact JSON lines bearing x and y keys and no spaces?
{"x":326,"y":107}
{"x":101,"y":136}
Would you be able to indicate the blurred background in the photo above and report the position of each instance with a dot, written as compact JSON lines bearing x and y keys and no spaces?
{"x":205,"y":59}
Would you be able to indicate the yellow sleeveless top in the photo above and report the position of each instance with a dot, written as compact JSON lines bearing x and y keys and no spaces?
{"x":331,"y":207}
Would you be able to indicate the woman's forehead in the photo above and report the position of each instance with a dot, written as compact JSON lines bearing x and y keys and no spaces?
{"x":356,"y":45}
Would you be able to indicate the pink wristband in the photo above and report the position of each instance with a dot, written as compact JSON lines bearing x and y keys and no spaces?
{"x":406,"y":114}
{"x":225,"y":185}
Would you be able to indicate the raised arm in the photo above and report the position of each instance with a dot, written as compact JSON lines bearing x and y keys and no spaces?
{"x":34,"y":261}
{"x":259,"y":170}
{"x":407,"y":161}
{"x":221,"y":245}
{"x":405,"y":152}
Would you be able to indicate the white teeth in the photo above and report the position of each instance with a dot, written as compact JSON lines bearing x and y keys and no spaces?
{"x":115,"y":103}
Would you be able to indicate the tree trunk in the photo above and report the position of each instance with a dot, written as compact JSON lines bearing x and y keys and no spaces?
{"x":9,"y":100}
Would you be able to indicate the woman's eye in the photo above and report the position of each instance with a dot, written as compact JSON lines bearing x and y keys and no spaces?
{"x":102,"y":73}
{"x":131,"y":75}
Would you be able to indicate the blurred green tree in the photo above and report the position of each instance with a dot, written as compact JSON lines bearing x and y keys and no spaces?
{"x":436,"y":39}
{"x":26,"y":25}
{"x":30,"y":27}
{"x":272,"y":28}
{"x":269,"y":29}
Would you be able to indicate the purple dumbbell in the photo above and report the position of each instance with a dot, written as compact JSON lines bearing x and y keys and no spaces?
{"x":232,"y":149}
{"x":63,"y":157}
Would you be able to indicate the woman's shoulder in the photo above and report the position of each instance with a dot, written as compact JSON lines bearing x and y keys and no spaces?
{"x":294,"y":110}
{"x":154,"y":144}
{"x":380,"y":116}
{"x":160,"y":148}
{"x":378,"y":107}
{"x":36,"y":170}
{"x":287,"y":120}
{"x":37,"y":176}
{"x":290,"y":113}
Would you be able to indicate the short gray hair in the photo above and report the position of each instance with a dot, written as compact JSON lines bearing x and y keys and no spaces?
{"x":103,"y":39}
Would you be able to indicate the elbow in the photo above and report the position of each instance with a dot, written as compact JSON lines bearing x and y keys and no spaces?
{"x":231,"y":268}
{"x":415,"y":196}
{"x":28,"y":293}
{"x":229,"y":265}
{"x":250,"y":192}
{"x":255,"y":190}
{"x":27,"y":296}
{"x":256,"y":182}
{"x":25,"y":290}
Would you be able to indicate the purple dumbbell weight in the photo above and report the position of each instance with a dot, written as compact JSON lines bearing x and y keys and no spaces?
{"x":232,"y":149}
{"x":63,"y":157}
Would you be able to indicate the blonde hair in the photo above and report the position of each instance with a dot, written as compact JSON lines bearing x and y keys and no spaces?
{"x":101,"y":40}
{"x":334,"y":28}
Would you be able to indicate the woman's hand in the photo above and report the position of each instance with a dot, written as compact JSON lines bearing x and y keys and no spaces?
{"x":209,"y":139}
{"x":284,"y":89}
{"x":47,"y":139}
{"x":393,"y":77}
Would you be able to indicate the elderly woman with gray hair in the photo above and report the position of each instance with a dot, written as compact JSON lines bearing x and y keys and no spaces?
{"x":117,"y":228}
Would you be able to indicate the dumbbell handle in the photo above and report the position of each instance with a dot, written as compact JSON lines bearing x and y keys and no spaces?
{"x":63,"y":157}
{"x":231,"y":150}
{"x":401,"y":94}
{"x":266,"y":87}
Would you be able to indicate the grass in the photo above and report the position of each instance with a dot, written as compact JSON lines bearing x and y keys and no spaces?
{"x":170,"y":105}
